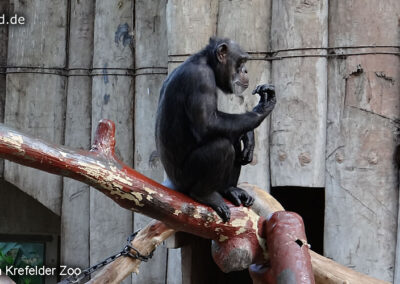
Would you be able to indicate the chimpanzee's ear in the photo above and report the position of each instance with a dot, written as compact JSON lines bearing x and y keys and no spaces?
{"x":222,"y":53}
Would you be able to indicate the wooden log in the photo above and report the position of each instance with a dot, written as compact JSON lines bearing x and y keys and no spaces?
{"x":362,"y":179}
{"x":131,"y":190}
{"x":35,"y":100}
{"x":288,"y":249}
{"x":299,"y":120}
{"x":326,"y":271}
{"x":145,"y":242}
{"x":112,"y":98}
{"x":3,"y":62}
{"x":150,"y":71}
{"x":101,"y":169}
{"x":255,"y":15}
{"x":75,"y":211}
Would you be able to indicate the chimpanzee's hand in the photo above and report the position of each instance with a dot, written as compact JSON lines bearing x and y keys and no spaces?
{"x":265,"y":105}
{"x":248,"y":148}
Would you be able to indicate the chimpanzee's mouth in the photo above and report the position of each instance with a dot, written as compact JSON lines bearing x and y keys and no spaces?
{"x":242,"y":85}
{"x":239,"y":88}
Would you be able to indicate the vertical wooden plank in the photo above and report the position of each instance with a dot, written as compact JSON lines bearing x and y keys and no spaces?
{"x":363,"y":112}
{"x":255,"y":15}
{"x":75,"y":203}
{"x":397,"y":258}
{"x":35,"y":102}
{"x":174,"y":269}
{"x":298,"y":128}
{"x":112,"y":98}
{"x":185,"y":19}
{"x":3,"y":62}
{"x":151,"y":56}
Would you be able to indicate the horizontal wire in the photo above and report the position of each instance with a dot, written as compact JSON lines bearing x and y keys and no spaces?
{"x":262,"y":55}
{"x":66,"y":72}
{"x":272,"y":55}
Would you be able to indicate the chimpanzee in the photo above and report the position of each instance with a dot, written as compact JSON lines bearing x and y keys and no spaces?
{"x":200,"y":146}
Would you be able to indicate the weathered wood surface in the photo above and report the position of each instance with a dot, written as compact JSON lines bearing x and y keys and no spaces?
{"x":299,"y":119}
{"x":364,"y":102}
{"x":112,"y":98}
{"x":255,"y":16}
{"x":397,"y":258}
{"x":174,"y":267}
{"x":146,"y":241}
{"x":35,"y":102}
{"x":290,"y":260}
{"x":241,"y":237}
{"x":151,"y":56}
{"x":131,"y":190}
{"x":75,"y":214}
{"x":189,"y":18}
{"x":3,"y":62}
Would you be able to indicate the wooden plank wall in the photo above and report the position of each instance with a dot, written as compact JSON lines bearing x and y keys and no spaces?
{"x":75,"y":214}
{"x":335,"y":125}
{"x":112,"y":98}
{"x":299,"y":120}
{"x":363,"y":107}
{"x":35,"y":100}
{"x":151,"y":57}
{"x":3,"y":62}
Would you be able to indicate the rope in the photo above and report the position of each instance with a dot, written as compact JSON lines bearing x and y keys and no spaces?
{"x":331,"y":52}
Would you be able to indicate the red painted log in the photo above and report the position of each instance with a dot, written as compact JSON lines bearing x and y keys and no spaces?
{"x":290,"y":260}
{"x":100,"y":168}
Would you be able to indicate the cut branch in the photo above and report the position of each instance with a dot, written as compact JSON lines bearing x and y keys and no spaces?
{"x":101,"y":169}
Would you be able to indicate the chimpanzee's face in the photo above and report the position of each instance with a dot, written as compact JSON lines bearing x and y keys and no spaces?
{"x":240,"y":80}
{"x":231,"y":73}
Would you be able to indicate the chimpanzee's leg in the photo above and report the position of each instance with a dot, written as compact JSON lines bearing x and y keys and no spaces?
{"x":207,"y":172}
{"x":233,"y":193}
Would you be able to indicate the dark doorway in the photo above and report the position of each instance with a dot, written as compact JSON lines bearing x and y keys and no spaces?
{"x":309,"y":203}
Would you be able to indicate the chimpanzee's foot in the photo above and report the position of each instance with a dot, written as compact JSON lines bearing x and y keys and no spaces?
{"x":215,"y":200}
{"x":238,"y":196}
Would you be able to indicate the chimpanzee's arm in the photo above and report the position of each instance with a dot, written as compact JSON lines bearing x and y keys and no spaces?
{"x":246,"y":155}
{"x":207,"y":121}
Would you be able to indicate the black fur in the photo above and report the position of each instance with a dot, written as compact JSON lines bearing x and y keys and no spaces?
{"x":199,"y":146}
